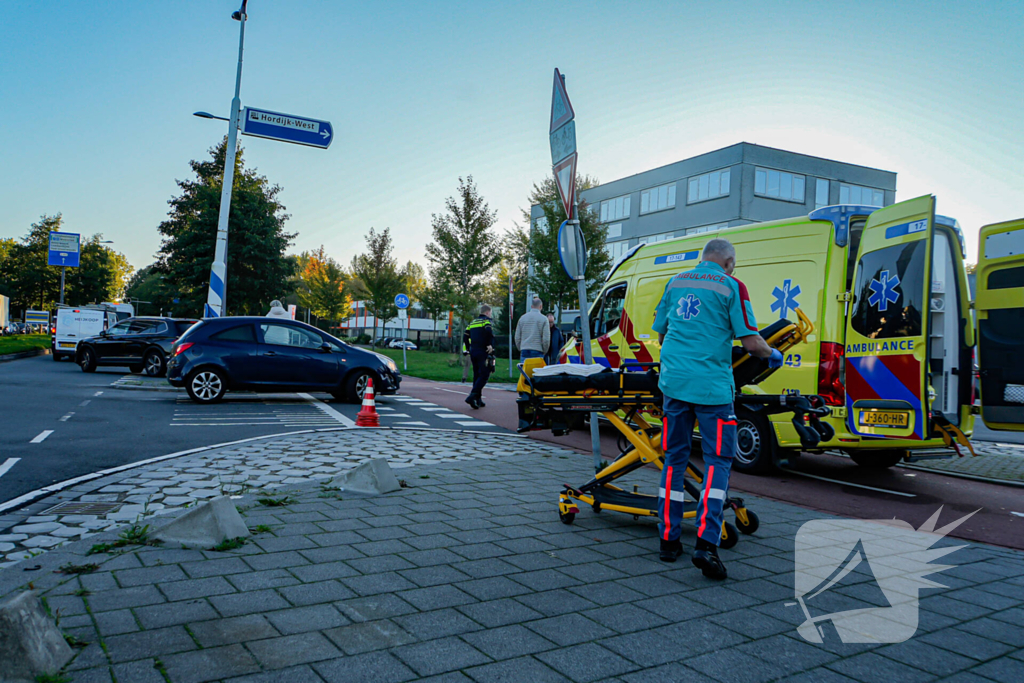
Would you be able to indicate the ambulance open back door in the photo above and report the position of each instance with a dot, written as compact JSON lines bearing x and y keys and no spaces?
{"x":999,"y":304}
{"x":887,"y":336}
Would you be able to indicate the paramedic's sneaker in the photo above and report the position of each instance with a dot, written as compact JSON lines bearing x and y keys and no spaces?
{"x":671,"y":550}
{"x":709,"y":563}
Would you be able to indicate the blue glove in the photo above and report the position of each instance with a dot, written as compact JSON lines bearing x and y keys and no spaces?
{"x":775,"y":360}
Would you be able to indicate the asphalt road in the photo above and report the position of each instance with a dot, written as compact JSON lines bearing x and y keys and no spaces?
{"x":59,"y":422}
{"x":827,"y":483}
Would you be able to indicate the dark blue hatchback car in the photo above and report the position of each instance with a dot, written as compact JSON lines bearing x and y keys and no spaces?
{"x":218,"y":355}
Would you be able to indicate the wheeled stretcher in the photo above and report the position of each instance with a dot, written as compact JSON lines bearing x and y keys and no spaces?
{"x":630,"y":400}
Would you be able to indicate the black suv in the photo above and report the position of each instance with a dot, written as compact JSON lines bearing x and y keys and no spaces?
{"x":274,"y":354}
{"x":143,"y":344}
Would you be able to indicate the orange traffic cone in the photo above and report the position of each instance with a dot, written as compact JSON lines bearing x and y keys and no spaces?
{"x":367,"y":416}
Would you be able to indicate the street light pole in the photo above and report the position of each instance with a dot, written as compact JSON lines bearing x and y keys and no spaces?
{"x":216,"y":298}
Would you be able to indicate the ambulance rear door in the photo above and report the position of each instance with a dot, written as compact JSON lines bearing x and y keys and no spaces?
{"x":999,"y":304}
{"x":887,"y":327}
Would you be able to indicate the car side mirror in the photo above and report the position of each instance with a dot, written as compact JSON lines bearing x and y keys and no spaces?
{"x":577,"y":326}
{"x":325,"y":348}
{"x":104,"y":333}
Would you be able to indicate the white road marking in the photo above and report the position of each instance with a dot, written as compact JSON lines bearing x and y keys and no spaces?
{"x":450,"y":417}
{"x":97,"y":393}
{"x":42,"y":436}
{"x":475,"y":423}
{"x":846,"y":483}
{"x":8,"y":464}
{"x":85,"y":403}
{"x":395,"y":415}
{"x":413,"y":424}
{"x":380,"y":408}
{"x":67,"y":417}
{"x":329,"y":410}
{"x":452,"y":391}
{"x":434,"y":408}
{"x":1019,"y":514}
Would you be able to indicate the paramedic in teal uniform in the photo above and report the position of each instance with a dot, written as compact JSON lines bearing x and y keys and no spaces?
{"x":700,"y":313}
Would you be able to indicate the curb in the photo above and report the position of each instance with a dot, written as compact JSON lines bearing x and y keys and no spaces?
{"x":24,"y":354}
{"x":143,"y":387}
{"x":964,"y":475}
{"x":31,"y":496}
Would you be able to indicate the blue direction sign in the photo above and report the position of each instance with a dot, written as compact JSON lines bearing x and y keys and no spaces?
{"x":64,"y":249}
{"x":262,"y":123}
{"x":402,"y":301}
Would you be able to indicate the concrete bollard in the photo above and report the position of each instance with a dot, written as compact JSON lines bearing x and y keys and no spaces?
{"x":372,"y":477}
{"x":208,"y":525}
{"x":30,"y":642}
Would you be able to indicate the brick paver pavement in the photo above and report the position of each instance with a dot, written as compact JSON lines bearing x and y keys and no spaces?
{"x":468,"y":575}
{"x":994,"y":460}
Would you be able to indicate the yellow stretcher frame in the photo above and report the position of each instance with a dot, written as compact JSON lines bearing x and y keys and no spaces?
{"x":637,"y":409}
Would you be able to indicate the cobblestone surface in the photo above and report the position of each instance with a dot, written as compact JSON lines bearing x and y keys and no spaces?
{"x":265,"y":465}
{"x":468,"y":575}
{"x":993,"y":460}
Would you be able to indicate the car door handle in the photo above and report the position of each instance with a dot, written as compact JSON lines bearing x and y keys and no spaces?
{"x":270,"y":353}
{"x":635,"y":347}
{"x":613,"y":347}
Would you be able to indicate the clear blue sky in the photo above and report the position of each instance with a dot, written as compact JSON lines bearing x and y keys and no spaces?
{"x":96,"y":102}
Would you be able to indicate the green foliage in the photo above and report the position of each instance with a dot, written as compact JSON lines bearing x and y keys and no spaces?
{"x":261,"y":529}
{"x":69,"y":568}
{"x":24,"y":276}
{"x":149,"y":284}
{"x":540,"y":247}
{"x":136,"y":534}
{"x":75,"y":641}
{"x":229,"y":544}
{"x":378,"y":279}
{"x":276,"y":502}
{"x":82,"y":592}
{"x":464,"y":249}
{"x":24,"y":342}
{"x":324,"y":286}
{"x":414,"y":279}
{"x":435,"y":301}
{"x":52,"y":678}
{"x":257,"y":266}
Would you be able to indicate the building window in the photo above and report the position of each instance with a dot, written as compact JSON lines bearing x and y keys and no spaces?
{"x":616,"y":249}
{"x":708,"y":186}
{"x":855,"y":194}
{"x":654,"y":239}
{"x":615,"y":209}
{"x":779,"y":185}
{"x":820,"y":193}
{"x":658,"y":198}
{"x":615,"y":230}
{"x":541,"y":224}
{"x":707,"y":228}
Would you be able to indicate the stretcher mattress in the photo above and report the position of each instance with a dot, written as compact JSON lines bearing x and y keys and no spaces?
{"x":606,"y":382}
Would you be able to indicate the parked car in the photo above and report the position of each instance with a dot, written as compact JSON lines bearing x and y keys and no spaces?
{"x":402,"y":344}
{"x":143,"y":344}
{"x":271,"y":354}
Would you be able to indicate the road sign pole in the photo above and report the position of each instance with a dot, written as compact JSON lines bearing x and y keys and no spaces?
{"x":62,"y":269}
{"x":216,"y":298}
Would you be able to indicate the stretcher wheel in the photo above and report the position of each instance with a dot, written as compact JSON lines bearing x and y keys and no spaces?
{"x":567,"y":517}
{"x":731,"y":536}
{"x":752,"y":523}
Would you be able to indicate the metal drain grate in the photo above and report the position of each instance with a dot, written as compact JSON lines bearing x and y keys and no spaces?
{"x":73,"y":508}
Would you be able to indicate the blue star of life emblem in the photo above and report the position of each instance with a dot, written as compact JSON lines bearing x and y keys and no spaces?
{"x":785,"y":298}
{"x":689,"y":307}
{"x":883,"y":290}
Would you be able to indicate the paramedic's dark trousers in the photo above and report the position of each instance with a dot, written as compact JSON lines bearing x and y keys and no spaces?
{"x":718,"y":442}
{"x":480,"y":374}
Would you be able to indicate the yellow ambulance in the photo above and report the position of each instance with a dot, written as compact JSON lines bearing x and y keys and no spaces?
{"x":893,"y":345}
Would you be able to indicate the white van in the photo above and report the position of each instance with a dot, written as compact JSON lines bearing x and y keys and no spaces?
{"x":74,"y":324}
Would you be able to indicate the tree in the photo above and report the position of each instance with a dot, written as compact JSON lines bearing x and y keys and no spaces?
{"x":378,"y":278}
{"x":434,"y":300}
{"x":257,"y":266}
{"x":149,"y":285}
{"x":414,"y":279}
{"x":323,"y":290}
{"x":464,"y":249}
{"x":101,"y":276}
{"x":548,"y":278}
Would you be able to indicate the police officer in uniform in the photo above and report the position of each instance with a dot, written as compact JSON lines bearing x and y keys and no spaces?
{"x":700,"y":313}
{"x":478,"y":342}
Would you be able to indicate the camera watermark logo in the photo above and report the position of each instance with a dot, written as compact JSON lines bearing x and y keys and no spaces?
{"x":886,"y":557}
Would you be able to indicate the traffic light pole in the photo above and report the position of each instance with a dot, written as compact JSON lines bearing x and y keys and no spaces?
{"x":216,"y":298}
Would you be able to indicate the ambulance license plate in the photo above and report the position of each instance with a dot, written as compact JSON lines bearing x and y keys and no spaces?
{"x":67,"y":345}
{"x":884,"y":418}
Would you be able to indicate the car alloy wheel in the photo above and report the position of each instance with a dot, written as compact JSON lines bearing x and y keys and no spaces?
{"x":748,"y":443}
{"x":361,"y":385}
{"x":207,"y":386}
{"x":154,"y":364}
